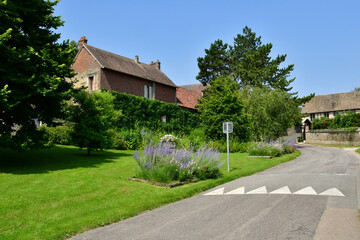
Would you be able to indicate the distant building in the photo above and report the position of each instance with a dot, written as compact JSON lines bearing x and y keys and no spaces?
{"x":332,"y":104}
{"x":99,"y":69}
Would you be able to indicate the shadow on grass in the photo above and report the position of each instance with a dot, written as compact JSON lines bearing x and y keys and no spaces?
{"x":53,"y":159}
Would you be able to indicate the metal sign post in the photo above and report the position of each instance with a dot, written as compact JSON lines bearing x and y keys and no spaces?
{"x":227,"y":128}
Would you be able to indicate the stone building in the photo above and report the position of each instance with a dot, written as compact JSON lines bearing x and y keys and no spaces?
{"x":332,"y":104}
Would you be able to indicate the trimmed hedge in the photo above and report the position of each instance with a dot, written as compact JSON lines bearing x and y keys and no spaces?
{"x":349,"y":120}
{"x":140,"y":112}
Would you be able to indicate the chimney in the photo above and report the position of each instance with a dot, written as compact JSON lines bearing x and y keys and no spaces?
{"x":155,"y":64}
{"x":137,"y":59}
{"x":82,"y":41}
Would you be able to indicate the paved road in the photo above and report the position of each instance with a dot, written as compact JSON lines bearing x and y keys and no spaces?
{"x":312,"y":197}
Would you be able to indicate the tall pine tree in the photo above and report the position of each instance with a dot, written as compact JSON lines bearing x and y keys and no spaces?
{"x":247,"y":61}
{"x":33,"y":68}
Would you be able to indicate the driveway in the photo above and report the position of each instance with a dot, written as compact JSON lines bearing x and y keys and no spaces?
{"x":312,"y":197}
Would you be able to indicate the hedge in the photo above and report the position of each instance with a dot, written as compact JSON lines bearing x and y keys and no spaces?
{"x":140,"y":112}
{"x":347,"y":120}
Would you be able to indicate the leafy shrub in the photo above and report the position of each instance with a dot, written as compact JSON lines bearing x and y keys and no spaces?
{"x":321,"y":123}
{"x":220,"y":103}
{"x":265,"y":149}
{"x":234,"y":146}
{"x":288,"y":149}
{"x":163,"y":164}
{"x":347,"y":120}
{"x":57,"y":135}
{"x":195,"y":139}
{"x":92,"y":116}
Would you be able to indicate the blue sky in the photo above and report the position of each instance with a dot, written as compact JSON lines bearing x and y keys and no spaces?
{"x":322,"y":38}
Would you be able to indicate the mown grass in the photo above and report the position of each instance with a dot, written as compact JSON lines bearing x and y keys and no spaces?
{"x":56,"y":193}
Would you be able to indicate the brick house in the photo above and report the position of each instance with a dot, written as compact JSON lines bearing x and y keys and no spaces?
{"x":332,"y":104}
{"x":97,"y":69}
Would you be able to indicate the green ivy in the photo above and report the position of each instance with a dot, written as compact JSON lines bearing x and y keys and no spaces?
{"x":140,"y":112}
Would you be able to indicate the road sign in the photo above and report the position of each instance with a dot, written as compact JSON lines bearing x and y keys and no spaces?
{"x":227,"y":127}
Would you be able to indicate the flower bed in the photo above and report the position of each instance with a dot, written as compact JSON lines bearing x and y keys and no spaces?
{"x":162,"y":163}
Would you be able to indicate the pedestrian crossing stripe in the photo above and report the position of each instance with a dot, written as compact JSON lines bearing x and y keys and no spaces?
{"x":283,"y":190}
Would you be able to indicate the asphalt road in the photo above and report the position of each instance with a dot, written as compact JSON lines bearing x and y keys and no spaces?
{"x":312,"y":197}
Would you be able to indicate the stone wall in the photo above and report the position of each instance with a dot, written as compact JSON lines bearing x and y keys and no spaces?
{"x":334,"y":136}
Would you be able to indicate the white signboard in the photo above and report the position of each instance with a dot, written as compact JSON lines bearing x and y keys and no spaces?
{"x":227,"y":127}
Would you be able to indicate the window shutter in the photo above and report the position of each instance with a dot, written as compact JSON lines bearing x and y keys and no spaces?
{"x":146,"y":92}
{"x":150,"y":92}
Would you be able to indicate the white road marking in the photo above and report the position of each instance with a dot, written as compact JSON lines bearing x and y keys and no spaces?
{"x":332,"y":192}
{"x":219,"y":191}
{"x":306,"y":191}
{"x":283,"y":190}
{"x":260,"y":190}
{"x":240,"y":190}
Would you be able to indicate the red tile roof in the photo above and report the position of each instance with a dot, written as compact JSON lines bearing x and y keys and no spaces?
{"x":187,"y":98}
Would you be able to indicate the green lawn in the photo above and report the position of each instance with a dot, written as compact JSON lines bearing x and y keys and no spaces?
{"x":358,"y":150}
{"x":58,"y":192}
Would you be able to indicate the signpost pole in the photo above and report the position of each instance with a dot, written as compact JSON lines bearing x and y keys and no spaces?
{"x":227,"y":128}
{"x":227,"y":142}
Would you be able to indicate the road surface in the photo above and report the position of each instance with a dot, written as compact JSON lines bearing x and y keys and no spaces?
{"x":312,"y":197}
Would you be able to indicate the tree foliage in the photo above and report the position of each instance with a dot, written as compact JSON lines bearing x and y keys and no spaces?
{"x":247,"y":62}
{"x":221,"y":103}
{"x":33,"y":68}
{"x":93,"y":116}
{"x":271,"y":112}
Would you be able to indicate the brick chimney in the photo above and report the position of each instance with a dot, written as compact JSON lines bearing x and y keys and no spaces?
{"x":155,"y":64}
{"x":137,"y":59}
{"x":82,"y":41}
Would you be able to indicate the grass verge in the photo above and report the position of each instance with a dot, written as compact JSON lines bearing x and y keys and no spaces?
{"x":56,"y":193}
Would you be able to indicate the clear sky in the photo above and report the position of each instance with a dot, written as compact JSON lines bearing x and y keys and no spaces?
{"x":321,"y":37}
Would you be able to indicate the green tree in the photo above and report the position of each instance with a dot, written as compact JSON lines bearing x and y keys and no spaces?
{"x":247,"y":61}
{"x":33,"y":68}
{"x":93,"y":116}
{"x":221,"y":103}
{"x":271,"y":112}
{"x":356,"y":89}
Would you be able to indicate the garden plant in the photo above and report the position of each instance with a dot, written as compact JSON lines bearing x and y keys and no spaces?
{"x":163,"y":163}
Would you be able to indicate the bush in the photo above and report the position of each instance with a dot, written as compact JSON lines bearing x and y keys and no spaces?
{"x":265,"y":149}
{"x":347,"y":120}
{"x":234,"y":146}
{"x":163,"y":164}
{"x":195,"y":139}
{"x":57,"y":135}
{"x":288,"y":149}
